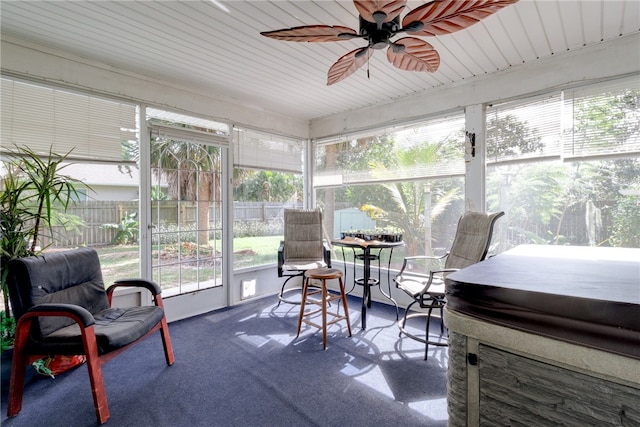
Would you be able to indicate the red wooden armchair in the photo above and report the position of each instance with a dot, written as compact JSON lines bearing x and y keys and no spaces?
{"x":62,"y":308}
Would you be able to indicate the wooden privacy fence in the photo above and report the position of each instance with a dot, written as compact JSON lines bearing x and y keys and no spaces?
{"x":95,"y":214}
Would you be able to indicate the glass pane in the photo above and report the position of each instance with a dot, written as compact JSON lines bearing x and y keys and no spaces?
{"x":425,"y":213}
{"x":186,"y":216}
{"x":593,"y":199}
{"x":407,"y":181}
{"x":428,"y":149}
{"x":260,"y":198}
{"x":594,"y":203}
{"x":106,"y":219}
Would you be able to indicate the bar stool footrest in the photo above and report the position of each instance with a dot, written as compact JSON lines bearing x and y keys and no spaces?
{"x":372,"y":281}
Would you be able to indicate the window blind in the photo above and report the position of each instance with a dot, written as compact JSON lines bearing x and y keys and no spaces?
{"x":260,"y":150}
{"x":602,"y":120}
{"x":177,"y":133}
{"x":44,"y":118}
{"x":171,"y":118}
{"x":428,"y":149}
{"x":527,"y":129}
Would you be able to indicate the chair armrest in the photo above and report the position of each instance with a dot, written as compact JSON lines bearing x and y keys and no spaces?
{"x":407,"y":259}
{"x":326,"y":249}
{"x":280,"y":257}
{"x":79,"y":314}
{"x":428,"y":277}
{"x":153,"y":287}
{"x":443,"y":270}
{"x":432,"y":274}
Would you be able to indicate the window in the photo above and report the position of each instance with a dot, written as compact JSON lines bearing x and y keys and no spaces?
{"x":267,"y":179}
{"x":407,"y":179}
{"x":97,"y":133}
{"x":566,"y":168}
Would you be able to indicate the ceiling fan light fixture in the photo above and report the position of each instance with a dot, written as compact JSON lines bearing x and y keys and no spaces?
{"x":379,"y":34}
{"x":348,"y":36}
{"x":379,"y":17}
{"x":398,"y":48}
{"x":360,"y":52}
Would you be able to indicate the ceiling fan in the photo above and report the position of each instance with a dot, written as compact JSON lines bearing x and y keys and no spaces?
{"x":380,"y":21}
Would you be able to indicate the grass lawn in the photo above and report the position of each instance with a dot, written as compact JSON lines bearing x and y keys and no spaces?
{"x":123,"y":260}
{"x":119,"y":262}
{"x":250,"y":251}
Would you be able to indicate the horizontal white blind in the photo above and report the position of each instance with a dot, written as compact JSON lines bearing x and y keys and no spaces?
{"x":42,"y":118}
{"x":527,"y":129}
{"x":176,"y":119}
{"x":602,"y":120}
{"x":429,"y":149}
{"x":177,"y":133}
{"x":260,"y":150}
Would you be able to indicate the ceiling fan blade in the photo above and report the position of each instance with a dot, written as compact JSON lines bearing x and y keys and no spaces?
{"x":444,"y":16}
{"x":417,"y":55}
{"x":348,"y":64}
{"x":313,"y":33}
{"x":392,"y":8}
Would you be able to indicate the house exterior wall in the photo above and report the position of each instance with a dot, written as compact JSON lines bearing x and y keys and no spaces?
{"x":105,"y":181}
{"x":112,"y":192}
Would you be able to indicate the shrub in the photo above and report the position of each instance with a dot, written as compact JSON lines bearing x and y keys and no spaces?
{"x":626,"y":223}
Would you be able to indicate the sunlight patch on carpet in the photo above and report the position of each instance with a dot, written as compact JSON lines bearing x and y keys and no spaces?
{"x":435,"y":408}
{"x":260,"y":340}
{"x":375,"y":379}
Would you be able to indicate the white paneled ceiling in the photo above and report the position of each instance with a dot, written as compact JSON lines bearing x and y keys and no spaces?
{"x":215,"y":46}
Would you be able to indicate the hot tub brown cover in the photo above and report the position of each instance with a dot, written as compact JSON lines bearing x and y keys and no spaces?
{"x":583,"y":295}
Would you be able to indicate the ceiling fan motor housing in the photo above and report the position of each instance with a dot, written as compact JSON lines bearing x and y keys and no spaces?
{"x":379,"y":34}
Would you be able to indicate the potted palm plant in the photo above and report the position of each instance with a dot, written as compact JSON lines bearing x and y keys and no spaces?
{"x":33,"y":194}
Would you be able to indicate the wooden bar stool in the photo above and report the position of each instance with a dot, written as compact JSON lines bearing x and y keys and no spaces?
{"x":322,"y":274}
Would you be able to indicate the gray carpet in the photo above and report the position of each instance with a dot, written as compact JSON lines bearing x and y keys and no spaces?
{"x":243,"y":366}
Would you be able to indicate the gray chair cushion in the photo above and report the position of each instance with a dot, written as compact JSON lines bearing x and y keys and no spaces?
{"x":302,"y":236}
{"x":472,"y":239}
{"x":114,"y":328}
